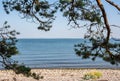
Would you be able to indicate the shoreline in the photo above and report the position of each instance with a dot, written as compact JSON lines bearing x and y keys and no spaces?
{"x":61,"y":75}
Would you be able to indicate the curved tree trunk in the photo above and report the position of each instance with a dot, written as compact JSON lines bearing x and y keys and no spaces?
{"x":105,"y":19}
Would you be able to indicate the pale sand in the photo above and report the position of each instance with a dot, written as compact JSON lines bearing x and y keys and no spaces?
{"x":61,"y":75}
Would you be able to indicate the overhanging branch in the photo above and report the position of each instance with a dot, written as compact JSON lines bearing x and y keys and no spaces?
{"x":100,"y":5}
{"x":113,"y":4}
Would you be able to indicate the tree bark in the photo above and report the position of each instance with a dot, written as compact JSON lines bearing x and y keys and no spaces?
{"x":100,"y":5}
{"x":107,"y":27}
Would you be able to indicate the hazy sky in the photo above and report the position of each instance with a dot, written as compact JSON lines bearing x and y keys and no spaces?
{"x":60,"y":28}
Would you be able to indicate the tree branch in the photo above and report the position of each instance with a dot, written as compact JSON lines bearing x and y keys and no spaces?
{"x":113,"y":4}
{"x":115,"y":26}
{"x":105,"y":19}
{"x":106,"y":42}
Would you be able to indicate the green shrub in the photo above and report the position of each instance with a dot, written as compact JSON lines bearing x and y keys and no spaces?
{"x":92,"y":75}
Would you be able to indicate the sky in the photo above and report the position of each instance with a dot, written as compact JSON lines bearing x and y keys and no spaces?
{"x":60,"y":28}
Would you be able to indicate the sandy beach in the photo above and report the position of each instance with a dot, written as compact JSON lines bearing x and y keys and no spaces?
{"x":61,"y":75}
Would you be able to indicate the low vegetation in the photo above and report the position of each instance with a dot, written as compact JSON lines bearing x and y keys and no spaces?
{"x":93,"y":75}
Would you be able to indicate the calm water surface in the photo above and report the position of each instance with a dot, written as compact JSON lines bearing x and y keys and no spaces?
{"x":54,"y":53}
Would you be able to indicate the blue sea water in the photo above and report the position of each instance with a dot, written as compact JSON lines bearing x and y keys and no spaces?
{"x":54,"y":53}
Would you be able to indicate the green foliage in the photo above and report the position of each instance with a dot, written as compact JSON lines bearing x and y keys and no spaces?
{"x":22,"y":69}
{"x":26,"y":71}
{"x":7,"y":41}
{"x":94,"y":47}
{"x":80,"y":10}
{"x":92,"y":75}
{"x":33,"y":8}
{"x":8,"y":48}
{"x":73,"y":10}
{"x":65,"y":1}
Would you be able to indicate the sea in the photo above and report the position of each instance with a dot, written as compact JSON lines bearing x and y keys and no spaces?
{"x":54,"y":53}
